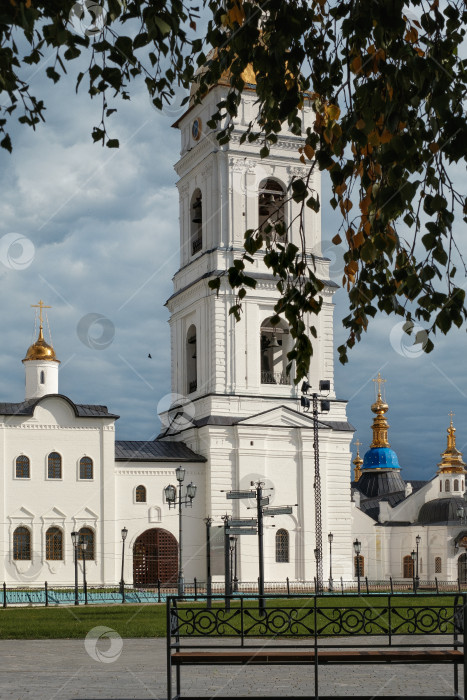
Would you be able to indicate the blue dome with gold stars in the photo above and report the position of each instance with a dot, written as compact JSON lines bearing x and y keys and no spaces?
{"x":380,"y":458}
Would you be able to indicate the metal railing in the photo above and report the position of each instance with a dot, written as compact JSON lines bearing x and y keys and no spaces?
{"x":275,"y":378}
{"x":51,"y":594}
{"x":196,"y":246}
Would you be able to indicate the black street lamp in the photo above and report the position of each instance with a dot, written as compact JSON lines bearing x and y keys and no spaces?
{"x":233,"y":564}
{"x":122,"y":580}
{"x":331,"y":583}
{"x":413,"y":554}
{"x":171,"y":497}
{"x":317,"y":560}
{"x":208,"y":522}
{"x":357,"y":545}
{"x":75,"y":540}
{"x":418,"y":539}
{"x":84,"y":545}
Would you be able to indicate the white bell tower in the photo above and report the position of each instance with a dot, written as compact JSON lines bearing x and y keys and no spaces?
{"x":41,"y":364}
{"x":224,"y":190}
{"x":237,"y":406}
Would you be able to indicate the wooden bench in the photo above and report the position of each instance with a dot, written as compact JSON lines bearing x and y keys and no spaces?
{"x":301,"y":630}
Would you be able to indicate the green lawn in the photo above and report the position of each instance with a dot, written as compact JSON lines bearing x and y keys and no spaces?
{"x":149,"y":620}
{"x":76,"y":622}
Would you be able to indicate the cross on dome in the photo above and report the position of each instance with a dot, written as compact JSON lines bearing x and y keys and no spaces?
{"x":40,"y":306}
{"x":379,"y":381}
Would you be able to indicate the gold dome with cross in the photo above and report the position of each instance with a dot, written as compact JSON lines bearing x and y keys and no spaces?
{"x":40,"y":350}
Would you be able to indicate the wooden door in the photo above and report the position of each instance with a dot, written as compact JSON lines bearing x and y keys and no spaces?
{"x":155,"y":557}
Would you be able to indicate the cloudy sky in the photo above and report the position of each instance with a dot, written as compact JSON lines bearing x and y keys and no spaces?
{"x":98,"y":232}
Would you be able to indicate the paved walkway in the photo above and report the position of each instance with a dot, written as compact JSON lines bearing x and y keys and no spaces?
{"x":134,"y":669}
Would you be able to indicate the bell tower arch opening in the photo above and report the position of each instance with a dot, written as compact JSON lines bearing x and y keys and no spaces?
{"x":191,"y":360}
{"x":196,"y":221}
{"x":275,"y":344}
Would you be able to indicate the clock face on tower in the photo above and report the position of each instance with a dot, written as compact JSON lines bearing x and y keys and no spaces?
{"x":196,"y":129}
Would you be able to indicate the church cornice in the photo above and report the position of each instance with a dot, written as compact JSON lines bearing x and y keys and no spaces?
{"x":265,"y":280}
{"x":43,"y":426}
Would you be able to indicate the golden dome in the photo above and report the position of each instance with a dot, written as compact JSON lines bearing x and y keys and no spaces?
{"x":40,"y":350}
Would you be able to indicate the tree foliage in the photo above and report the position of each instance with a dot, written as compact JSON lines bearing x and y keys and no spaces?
{"x":387,"y":81}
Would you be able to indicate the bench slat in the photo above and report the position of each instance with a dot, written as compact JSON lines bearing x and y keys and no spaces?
{"x":261,"y":657}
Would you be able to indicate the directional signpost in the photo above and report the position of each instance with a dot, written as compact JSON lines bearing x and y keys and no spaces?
{"x":279,"y":510}
{"x":252,"y":526}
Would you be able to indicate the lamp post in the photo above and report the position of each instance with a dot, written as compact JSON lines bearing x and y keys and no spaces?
{"x":413,"y":554}
{"x":317,"y":559}
{"x":187,"y":501}
{"x":330,"y":539}
{"x":418,"y":539}
{"x":357,"y":545}
{"x":122,"y":581}
{"x":208,"y":522}
{"x":84,"y":545}
{"x":233,"y":564}
{"x":75,"y":540}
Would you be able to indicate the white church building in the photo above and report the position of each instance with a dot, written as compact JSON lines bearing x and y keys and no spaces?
{"x":238,"y":419}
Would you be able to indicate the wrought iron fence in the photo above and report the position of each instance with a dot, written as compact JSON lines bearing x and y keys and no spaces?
{"x":53,"y":595}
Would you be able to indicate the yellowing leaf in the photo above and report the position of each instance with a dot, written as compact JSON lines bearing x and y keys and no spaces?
{"x":358,"y":239}
{"x":337,"y":239}
{"x":309,"y":151}
{"x":356,"y":65}
{"x":340,"y":189}
{"x":411,"y":35}
{"x":333,"y":111}
{"x":360,"y":124}
{"x":434,"y":148}
{"x":386,"y":136}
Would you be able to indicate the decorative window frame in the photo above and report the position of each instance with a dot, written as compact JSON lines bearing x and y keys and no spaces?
{"x":140,"y":503}
{"x":50,"y":478}
{"x":88,"y":519}
{"x":78,"y":469}
{"x":21,"y":478}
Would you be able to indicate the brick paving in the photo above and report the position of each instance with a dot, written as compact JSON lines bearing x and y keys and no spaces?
{"x":64,"y":670}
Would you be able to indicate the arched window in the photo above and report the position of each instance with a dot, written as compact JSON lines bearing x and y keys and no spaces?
{"x":462,"y":484}
{"x":456,"y":484}
{"x":446,"y":485}
{"x":462,"y":568}
{"x":54,"y":544}
{"x":282,"y":546}
{"x":22,"y":544}
{"x":191,"y":360}
{"x":359,"y":565}
{"x":408,"y":566}
{"x":196,"y":221}
{"x":87,"y":535}
{"x":438,"y":565}
{"x":275,"y":341}
{"x":85,"y":468}
{"x":22,"y":467}
{"x":42,"y":377}
{"x":271,"y":209}
{"x":440,"y":485}
{"x":54,"y":470}
{"x":140,"y":494}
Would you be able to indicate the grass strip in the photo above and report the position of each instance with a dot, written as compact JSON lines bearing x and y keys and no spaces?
{"x":149,"y":620}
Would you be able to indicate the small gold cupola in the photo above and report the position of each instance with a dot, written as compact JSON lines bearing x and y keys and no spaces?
{"x":358,"y":461}
{"x":451,"y":462}
{"x":40,"y":350}
{"x":380,"y":425}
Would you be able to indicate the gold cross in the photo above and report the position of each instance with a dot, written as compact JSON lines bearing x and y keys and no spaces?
{"x":379,"y":381}
{"x":451,"y":414}
{"x":358,"y":443}
{"x":40,"y":306}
